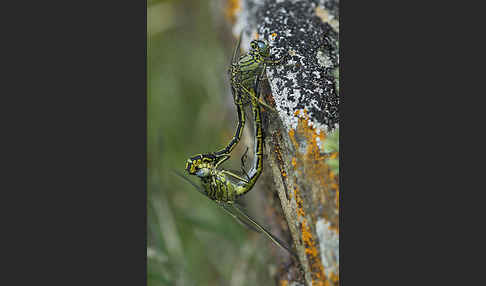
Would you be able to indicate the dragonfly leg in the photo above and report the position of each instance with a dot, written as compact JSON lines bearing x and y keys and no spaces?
{"x":223,"y":158}
{"x":243,"y":158}
{"x":259,"y":100}
{"x":234,"y":175}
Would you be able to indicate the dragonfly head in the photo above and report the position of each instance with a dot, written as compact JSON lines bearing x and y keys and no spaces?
{"x":200,"y":165}
{"x":261,"y":47}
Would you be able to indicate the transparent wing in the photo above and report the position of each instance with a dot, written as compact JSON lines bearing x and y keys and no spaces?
{"x":237,"y":212}
{"x":221,"y":205}
{"x":237,"y":48}
{"x":198,"y":188}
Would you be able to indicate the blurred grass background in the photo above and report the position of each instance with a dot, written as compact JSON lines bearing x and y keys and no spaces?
{"x":189,"y":240}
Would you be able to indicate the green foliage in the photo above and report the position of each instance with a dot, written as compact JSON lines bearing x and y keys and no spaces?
{"x":331,"y":145}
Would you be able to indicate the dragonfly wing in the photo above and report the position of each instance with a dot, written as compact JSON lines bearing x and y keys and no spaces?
{"x":234,"y":210}
{"x":225,"y":206}
{"x":241,"y":219}
{"x":198,"y":188}
{"x":237,"y":48}
{"x":240,"y":213}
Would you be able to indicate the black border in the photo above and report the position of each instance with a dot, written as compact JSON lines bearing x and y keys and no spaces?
{"x":400,"y":214}
{"x":76,"y":79}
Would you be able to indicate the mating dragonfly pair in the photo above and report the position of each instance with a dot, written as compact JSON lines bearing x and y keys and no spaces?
{"x":222,"y":186}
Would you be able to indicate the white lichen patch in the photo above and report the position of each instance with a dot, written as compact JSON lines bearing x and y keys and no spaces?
{"x":303,"y":81}
{"x":328,"y":247}
{"x":315,"y":104}
{"x":281,"y":100}
{"x":324,"y":60}
{"x":288,"y":99}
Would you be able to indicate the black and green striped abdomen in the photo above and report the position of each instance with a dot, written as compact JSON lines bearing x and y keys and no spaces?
{"x":217,"y":185}
{"x":238,"y":132}
{"x":258,"y":150}
{"x":219,"y":188}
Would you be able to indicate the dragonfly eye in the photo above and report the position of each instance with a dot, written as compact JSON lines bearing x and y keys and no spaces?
{"x":262,"y":45}
{"x":204,"y":172}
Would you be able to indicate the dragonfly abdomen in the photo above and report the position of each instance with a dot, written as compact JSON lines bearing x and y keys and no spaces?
{"x":219,"y":188}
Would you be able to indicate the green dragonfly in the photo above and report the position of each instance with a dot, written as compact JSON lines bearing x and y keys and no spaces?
{"x":218,"y":184}
{"x":245,"y":68}
{"x":246,"y":72}
{"x":210,"y":161}
{"x":224,"y":187}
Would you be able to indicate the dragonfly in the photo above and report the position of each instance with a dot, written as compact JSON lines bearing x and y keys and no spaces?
{"x":244,"y":71}
{"x":240,"y":215}
{"x":210,"y":161}
{"x":224,"y":185}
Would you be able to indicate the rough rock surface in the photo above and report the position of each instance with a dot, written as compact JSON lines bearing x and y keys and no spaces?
{"x":306,"y":34}
{"x":304,"y":89}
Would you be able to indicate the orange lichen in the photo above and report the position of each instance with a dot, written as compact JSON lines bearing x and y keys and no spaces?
{"x":292,"y":137}
{"x":232,"y":7}
{"x":311,"y":165}
{"x":299,"y":202}
{"x":314,"y":163}
{"x":300,"y":210}
{"x":317,"y":270}
{"x":334,"y":277}
{"x":284,"y":282}
{"x":332,"y":175}
{"x":280,"y":161}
